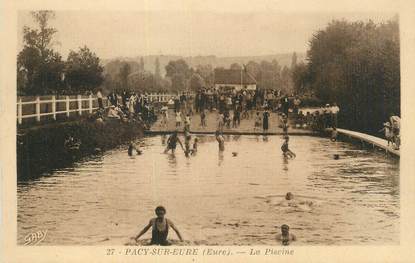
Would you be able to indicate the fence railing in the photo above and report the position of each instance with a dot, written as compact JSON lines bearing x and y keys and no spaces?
{"x":82,"y":104}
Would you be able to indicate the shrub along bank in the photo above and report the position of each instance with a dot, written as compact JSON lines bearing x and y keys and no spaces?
{"x":42,"y":148}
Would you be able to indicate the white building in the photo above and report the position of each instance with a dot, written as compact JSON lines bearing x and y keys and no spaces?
{"x":229,"y":79}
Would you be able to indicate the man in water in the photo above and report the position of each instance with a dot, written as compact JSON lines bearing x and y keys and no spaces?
{"x":172,"y":143}
{"x":133,"y":149}
{"x":160,"y":228}
{"x":290,"y":201}
{"x":220,"y":140}
{"x":285,"y":237}
{"x":194,"y":150}
{"x":285,"y":150}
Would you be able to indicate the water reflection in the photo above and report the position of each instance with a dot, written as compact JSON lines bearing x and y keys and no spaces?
{"x":220,"y":157}
{"x":285,"y":163}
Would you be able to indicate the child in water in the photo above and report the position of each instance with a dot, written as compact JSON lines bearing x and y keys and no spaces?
{"x":187,"y":139}
{"x":194,"y":150}
{"x":160,"y":228}
{"x":285,"y":237}
{"x":172,"y":143}
{"x":133,"y":149}
{"x":221,"y":141}
{"x":285,"y":150}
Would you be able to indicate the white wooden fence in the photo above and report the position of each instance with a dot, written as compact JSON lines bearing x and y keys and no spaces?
{"x":154,"y":97}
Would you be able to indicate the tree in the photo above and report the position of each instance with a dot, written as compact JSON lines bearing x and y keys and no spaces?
{"x":235,"y":66}
{"x":179,"y":73}
{"x":300,"y":76}
{"x":206,"y":72}
{"x":39,"y":66}
{"x":286,"y":80}
{"x":357,"y":65}
{"x":254,"y":69}
{"x":142,"y":64}
{"x":196,"y":82}
{"x":125,"y":71}
{"x":157,"y":73}
{"x":83,"y":70}
{"x":294,"y":60}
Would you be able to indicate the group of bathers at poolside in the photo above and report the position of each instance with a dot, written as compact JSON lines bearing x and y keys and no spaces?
{"x":160,"y":225}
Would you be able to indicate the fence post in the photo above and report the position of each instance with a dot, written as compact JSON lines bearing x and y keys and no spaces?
{"x":19,"y":111}
{"x":90,"y":103}
{"x":54,"y":107}
{"x":80,"y":104}
{"x":38,"y":109}
{"x":67,"y":107}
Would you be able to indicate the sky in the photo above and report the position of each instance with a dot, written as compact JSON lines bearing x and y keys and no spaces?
{"x":125,"y":33}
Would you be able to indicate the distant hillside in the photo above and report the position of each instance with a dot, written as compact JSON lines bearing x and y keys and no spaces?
{"x":149,"y":61}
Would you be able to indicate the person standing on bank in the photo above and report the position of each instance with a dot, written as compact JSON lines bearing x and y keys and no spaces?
{"x":265,"y":120}
{"x":160,"y":228}
{"x":99,"y":97}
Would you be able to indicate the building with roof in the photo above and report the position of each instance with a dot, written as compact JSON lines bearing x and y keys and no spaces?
{"x":233,"y":79}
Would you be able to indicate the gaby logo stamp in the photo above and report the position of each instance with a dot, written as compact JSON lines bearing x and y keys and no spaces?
{"x":35,"y":238}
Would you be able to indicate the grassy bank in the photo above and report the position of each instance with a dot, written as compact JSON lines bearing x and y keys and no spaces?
{"x":40,"y":149}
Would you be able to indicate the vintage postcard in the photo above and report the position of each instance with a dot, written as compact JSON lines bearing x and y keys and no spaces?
{"x":191,"y":131}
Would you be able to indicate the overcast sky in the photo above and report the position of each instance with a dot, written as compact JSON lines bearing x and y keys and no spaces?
{"x":123,"y":33}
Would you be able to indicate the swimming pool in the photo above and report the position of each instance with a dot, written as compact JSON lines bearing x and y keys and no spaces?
{"x":215,"y":198}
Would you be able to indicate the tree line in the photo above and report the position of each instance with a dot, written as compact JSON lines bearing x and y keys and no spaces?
{"x":41,"y":70}
{"x":181,"y":77}
{"x":356,"y":65}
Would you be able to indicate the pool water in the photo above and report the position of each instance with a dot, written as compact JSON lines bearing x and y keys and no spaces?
{"x":216,"y":198}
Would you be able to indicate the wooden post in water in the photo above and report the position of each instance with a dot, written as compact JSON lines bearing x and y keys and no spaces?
{"x":54,"y":107}
{"x":19,"y":111}
{"x":38,"y":109}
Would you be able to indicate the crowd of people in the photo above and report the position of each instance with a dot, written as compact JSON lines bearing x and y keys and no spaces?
{"x":391,"y":131}
{"x":231,"y":107}
{"x":126,"y":106}
{"x":317,"y":118}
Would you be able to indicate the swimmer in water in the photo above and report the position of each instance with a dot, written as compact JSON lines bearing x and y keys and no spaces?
{"x":172,"y":143}
{"x":194,"y":150}
{"x":160,"y":228}
{"x":290,"y":201}
{"x":187,"y":139}
{"x":132,"y":149}
{"x":285,"y":150}
{"x":220,"y":140}
{"x":285,"y":237}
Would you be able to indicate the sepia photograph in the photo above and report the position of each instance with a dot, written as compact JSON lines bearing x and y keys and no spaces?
{"x":286,"y":134}
{"x":165,"y":132}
